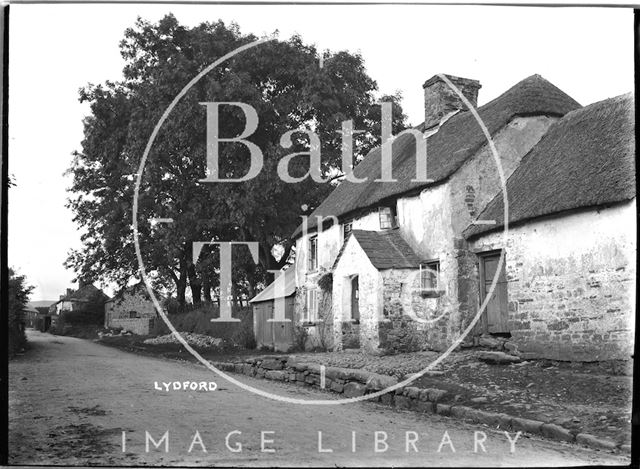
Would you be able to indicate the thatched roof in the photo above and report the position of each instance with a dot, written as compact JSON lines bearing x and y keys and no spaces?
{"x":385,"y":249}
{"x":458,"y":139}
{"x":585,"y":159}
{"x":86,"y":294}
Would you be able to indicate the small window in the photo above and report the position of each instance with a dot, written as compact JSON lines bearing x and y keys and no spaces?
{"x":346,"y":231}
{"x":429,"y":273}
{"x":387,"y":218}
{"x":133,"y":314}
{"x":312,"y":306}
{"x":313,"y":253}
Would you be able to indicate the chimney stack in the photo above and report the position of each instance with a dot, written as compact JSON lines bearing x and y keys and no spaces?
{"x":440,"y":100}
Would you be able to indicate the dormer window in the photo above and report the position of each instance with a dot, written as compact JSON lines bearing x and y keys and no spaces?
{"x":388,"y":218}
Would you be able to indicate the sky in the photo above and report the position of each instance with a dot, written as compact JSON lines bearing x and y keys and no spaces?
{"x":57,"y":49}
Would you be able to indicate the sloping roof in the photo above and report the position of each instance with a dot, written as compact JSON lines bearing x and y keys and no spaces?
{"x":41,"y":303}
{"x":132,"y":289}
{"x":458,"y":139}
{"x":585,"y":159}
{"x":270,"y":292}
{"x":385,"y":249}
{"x":84,"y":294}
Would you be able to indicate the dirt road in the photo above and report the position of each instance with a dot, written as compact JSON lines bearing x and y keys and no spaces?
{"x":71,"y":400}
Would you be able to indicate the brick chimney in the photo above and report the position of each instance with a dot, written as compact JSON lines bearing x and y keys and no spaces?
{"x":440,"y":100}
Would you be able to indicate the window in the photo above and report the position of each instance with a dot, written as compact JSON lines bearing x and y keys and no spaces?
{"x":387,"y":217}
{"x":429,"y":273}
{"x":313,"y":253}
{"x":133,"y":315}
{"x":346,"y":230}
{"x":312,"y":306}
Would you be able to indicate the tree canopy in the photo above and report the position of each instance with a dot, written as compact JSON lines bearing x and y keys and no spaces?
{"x":282,"y":80}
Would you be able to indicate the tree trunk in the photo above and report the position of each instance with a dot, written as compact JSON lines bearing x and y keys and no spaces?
{"x":181,"y":286}
{"x":206,"y":289}
{"x":181,"y":283}
{"x":194,"y":284}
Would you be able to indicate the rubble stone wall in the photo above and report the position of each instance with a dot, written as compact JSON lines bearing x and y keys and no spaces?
{"x":118,"y":312}
{"x":354,"y":261}
{"x":139,"y":326}
{"x":571,"y":284}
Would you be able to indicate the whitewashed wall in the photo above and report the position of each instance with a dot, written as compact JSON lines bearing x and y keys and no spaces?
{"x":571,"y":283}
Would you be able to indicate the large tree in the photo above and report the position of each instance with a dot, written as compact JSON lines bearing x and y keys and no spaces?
{"x":290,"y":87}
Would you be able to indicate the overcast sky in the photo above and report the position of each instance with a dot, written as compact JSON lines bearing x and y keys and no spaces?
{"x":56,"y":49}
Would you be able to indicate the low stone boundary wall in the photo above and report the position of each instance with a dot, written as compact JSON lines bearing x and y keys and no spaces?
{"x":356,"y":382}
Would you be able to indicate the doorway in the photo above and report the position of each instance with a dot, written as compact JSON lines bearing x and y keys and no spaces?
{"x":497,"y":312}
{"x":355,"y":299}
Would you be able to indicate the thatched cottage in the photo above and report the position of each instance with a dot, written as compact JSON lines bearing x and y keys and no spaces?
{"x":409,"y":263}
{"x":569,"y":269}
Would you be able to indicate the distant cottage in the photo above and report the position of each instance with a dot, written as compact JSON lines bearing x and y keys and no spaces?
{"x":411,"y":263}
{"x":131,"y":309}
{"x":86,"y":298}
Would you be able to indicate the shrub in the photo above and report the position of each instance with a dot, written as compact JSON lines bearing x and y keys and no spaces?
{"x":400,"y":334}
{"x":324,"y":325}
{"x":300,"y":336}
{"x":171,"y":306}
{"x":19,"y":293}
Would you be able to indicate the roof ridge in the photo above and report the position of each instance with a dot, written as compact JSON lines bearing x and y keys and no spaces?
{"x":532,"y":96}
{"x":592,"y":145}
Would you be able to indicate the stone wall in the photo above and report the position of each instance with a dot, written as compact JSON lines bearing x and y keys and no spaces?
{"x":354,"y":261}
{"x":571,"y":284}
{"x":358,"y":383}
{"x":475,"y":184}
{"x":139,"y":326}
{"x":138,"y":302}
{"x":118,"y":312}
{"x":350,"y":335}
{"x":432,"y":223}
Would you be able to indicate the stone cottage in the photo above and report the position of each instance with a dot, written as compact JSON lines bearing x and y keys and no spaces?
{"x":87,"y":297}
{"x":400,"y":266}
{"x":569,"y":271}
{"x":438,"y":280}
{"x":132,"y":310}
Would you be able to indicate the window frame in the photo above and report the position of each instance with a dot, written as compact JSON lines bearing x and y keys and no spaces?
{"x":313,"y":253}
{"x":393,"y":216}
{"x":427,"y":267}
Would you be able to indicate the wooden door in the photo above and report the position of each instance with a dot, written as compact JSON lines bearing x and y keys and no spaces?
{"x":283,"y":331}
{"x":496,"y":313}
{"x":264,"y":332}
{"x":355,"y":298}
